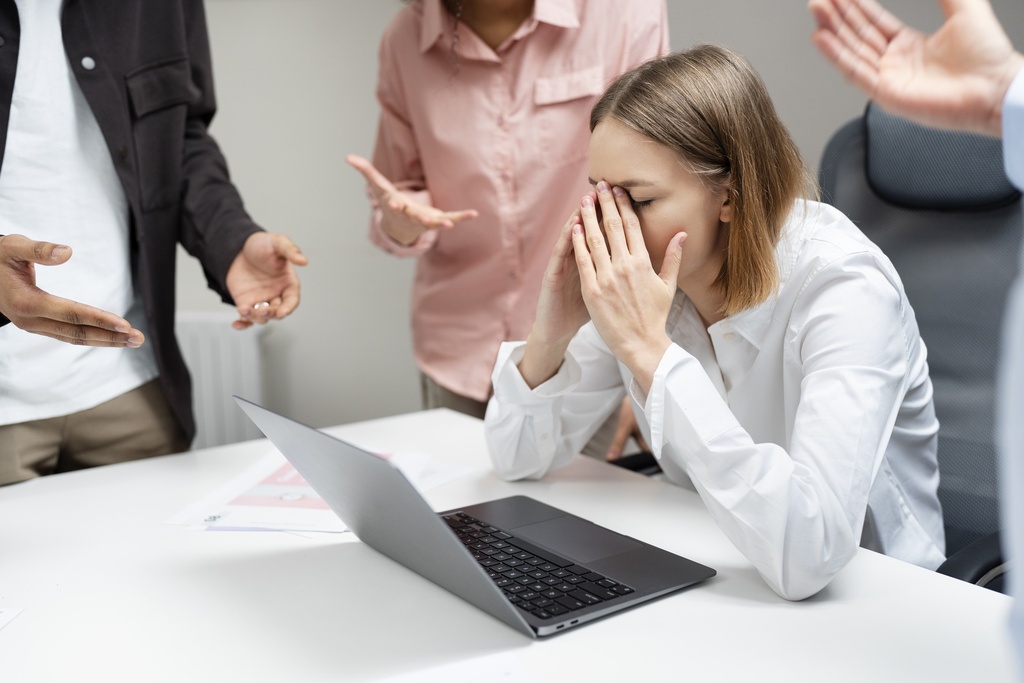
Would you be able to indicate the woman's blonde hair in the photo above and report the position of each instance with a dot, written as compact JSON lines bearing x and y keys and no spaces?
{"x":710,"y":106}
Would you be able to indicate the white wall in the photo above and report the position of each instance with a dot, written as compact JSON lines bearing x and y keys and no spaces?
{"x":295,"y":85}
{"x":295,"y":82}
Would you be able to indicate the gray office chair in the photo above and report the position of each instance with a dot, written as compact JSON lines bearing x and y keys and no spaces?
{"x":941,"y":208}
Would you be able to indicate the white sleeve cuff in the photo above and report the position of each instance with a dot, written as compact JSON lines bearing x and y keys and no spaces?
{"x":699,"y":412}
{"x":510,"y":387}
{"x":1013,"y":131}
{"x":654,"y":402}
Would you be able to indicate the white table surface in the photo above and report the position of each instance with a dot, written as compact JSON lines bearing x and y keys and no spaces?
{"x":111,"y":593}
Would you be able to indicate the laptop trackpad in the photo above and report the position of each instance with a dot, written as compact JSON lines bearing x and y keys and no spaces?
{"x":576,"y":538}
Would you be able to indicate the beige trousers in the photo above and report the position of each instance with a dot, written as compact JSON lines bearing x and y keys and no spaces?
{"x":135,"y":425}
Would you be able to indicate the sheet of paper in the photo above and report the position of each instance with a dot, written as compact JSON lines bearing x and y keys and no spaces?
{"x":272,"y":496}
{"x":7,"y":615}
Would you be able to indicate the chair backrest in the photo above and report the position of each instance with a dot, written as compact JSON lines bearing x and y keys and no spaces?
{"x":940,"y":206}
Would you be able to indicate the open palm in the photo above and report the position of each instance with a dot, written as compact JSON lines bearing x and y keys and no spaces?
{"x":954,"y":78}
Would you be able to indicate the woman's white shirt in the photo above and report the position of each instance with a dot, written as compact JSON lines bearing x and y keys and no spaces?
{"x":806,"y":424}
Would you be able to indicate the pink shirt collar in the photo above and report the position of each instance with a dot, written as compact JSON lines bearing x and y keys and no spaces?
{"x":437,"y":21}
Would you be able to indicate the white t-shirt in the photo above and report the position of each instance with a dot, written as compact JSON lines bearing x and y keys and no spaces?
{"x":58,"y":184}
{"x":800,"y":421}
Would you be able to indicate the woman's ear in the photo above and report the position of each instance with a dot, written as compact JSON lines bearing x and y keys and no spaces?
{"x":725,"y":215}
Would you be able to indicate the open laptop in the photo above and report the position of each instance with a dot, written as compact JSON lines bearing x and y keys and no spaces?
{"x":537,"y":568}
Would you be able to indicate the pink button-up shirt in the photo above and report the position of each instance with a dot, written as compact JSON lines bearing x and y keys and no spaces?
{"x":504,"y":132}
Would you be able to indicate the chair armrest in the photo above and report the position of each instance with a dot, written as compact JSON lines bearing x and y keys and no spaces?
{"x":980,"y":563}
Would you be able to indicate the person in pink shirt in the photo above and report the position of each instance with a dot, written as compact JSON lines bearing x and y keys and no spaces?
{"x":481,"y":152}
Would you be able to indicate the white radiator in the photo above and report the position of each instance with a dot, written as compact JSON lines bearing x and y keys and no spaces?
{"x":223,"y":361}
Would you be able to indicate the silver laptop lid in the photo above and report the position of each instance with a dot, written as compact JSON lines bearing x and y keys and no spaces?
{"x":384,"y":510}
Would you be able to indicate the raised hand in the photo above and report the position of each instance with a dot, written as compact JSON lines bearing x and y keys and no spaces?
{"x":262,"y":279}
{"x":560,"y":311}
{"x":628,"y":301}
{"x":404,"y":220}
{"x":33,"y":310}
{"x":955,"y":78}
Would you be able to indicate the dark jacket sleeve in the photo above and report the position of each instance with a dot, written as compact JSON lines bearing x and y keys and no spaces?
{"x":214,"y":223}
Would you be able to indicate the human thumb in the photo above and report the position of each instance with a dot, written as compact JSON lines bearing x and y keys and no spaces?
{"x":43,"y":253}
{"x":673,"y":258}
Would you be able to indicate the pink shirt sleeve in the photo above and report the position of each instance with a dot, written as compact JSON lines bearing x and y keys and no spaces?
{"x":396,"y":155}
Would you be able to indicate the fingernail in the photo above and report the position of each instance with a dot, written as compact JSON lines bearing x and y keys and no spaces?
{"x":618,"y":191}
{"x":59,"y":251}
{"x":587,"y":202}
{"x":602,"y":186}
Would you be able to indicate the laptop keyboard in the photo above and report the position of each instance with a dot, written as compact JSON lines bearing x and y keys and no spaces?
{"x":533,"y":579}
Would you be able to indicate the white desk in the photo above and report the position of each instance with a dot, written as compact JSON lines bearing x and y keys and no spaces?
{"x":111,"y":593}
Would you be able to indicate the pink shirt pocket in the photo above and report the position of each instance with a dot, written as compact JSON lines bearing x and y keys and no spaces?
{"x":562,"y":121}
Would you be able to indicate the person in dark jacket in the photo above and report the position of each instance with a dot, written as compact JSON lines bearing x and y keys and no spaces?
{"x":104,"y":149}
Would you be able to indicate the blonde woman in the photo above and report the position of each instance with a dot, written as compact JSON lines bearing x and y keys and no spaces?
{"x":768,"y":347}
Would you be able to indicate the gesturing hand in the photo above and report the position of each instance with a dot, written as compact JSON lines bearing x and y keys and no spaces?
{"x":33,"y":310}
{"x":954,"y":78}
{"x":404,"y":220}
{"x":627,"y":300}
{"x":263,"y":273}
